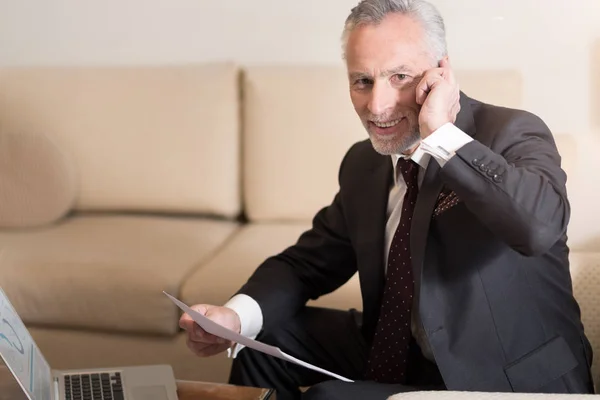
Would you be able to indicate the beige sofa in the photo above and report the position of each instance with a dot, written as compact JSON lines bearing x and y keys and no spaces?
{"x":183,"y":179}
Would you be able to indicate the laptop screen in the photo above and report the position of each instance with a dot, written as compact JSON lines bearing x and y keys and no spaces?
{"x":21,"y":355}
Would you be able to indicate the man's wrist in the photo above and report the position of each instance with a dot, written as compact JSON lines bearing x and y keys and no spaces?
{"x":249,"y":314}
{"x":428,"y":129}
{"x":444,"y":142}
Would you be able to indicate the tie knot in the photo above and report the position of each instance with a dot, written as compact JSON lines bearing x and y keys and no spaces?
{"x":409,"y":169}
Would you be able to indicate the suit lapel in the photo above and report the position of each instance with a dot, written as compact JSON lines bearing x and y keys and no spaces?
{"x":428,"y":194}
{"x":374,"y":197}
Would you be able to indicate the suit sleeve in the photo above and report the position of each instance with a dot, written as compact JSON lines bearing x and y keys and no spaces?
{"x":318,"y":263}
{"x":519,"y":193}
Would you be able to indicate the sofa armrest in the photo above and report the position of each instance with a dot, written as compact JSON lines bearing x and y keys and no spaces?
{"x":585,"y":273}
{"x":456,"y":395}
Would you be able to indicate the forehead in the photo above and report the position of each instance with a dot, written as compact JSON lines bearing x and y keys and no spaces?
{"x":397,"y":39}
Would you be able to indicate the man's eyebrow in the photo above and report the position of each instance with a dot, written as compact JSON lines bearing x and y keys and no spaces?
{"x":359,"y":75}
{"x":402,"y":69}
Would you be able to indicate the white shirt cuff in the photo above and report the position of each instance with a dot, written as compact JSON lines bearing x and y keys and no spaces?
{"x":443,"y":143}
{"x":251,"y":319}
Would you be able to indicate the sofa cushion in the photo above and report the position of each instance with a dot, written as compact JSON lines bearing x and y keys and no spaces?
{"x":298,"y":124}
{"x":472,"y":395}
{"x":498,"y":87}
{"x":585,"y":272}
{"x":221,"y":277}
{"x":106,"y":272}
{"x":144,"y":138}
{"x":37,"y":180}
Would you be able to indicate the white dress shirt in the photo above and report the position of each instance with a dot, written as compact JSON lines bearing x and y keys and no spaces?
{"x":441,"y":145}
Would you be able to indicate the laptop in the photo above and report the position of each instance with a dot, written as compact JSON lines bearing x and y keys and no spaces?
{"x":40,"y":382}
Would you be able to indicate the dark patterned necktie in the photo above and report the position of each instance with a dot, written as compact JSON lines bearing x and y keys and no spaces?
{"x":389,"y":353}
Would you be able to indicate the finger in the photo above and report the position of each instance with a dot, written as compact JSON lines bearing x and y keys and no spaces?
{"x":214,"y":350}
{"x":449,"y":76}
{"x":197,"y":347}
{"x":200,"y":308}
{"x":447,"y":71}
{"x":427,"y":83}
{"x":445,"y":62}
{"x":200,"y":335}
{"x":457,"y":95}
{"x":423,"y":88}
{"x":206,"y":349}
{"x":186,"y":322}
{"x":195,"y":332}
{"x":454,"y":112}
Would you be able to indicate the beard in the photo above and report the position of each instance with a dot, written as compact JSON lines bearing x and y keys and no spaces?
{"x":398,"y":142}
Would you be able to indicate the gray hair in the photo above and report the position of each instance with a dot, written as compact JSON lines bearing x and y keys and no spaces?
{"x":374,"y":11}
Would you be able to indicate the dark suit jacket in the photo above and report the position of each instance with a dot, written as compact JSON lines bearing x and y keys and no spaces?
{"x":491,"y":271}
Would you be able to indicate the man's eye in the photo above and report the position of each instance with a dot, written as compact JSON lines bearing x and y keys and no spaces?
{"x":400,"y":77}
{"x":363,"y":82}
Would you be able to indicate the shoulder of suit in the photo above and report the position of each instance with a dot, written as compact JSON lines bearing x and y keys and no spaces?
{"x":360,"y":159}
{"x":502,"y":115}
{"x":363,"y":152}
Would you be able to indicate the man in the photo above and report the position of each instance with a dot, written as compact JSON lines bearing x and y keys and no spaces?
{"x":454,"y":214}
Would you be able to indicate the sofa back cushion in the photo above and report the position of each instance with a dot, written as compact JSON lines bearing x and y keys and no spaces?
{"x":37,"y":181}
{"x":160,"y":139}
{"x":298,"y":124}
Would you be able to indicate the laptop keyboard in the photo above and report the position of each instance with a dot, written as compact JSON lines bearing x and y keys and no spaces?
{"x":105,"y":386}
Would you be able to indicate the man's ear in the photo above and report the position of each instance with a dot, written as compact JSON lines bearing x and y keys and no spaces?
{"x":446,"y":58}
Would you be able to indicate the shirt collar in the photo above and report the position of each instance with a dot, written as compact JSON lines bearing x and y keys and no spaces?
{"x":419,"y":156}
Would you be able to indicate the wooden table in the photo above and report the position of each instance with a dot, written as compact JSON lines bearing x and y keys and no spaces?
{"x":186,"y":390}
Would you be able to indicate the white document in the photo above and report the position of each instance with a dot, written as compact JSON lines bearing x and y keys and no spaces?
{"x":220,"y":331}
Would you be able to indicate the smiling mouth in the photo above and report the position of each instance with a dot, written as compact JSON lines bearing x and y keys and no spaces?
{"x":389,"y":124}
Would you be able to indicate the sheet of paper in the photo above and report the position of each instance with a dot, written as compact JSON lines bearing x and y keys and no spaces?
{"x":220,"y":331}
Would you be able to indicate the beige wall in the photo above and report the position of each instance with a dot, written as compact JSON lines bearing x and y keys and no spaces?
{"x":549,"y":41}
{"x":595,"y":87}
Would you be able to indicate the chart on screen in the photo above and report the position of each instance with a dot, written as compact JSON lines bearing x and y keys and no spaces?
{"x":20,"y":353}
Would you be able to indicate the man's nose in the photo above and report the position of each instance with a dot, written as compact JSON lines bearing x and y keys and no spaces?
{"x":383,"y":98}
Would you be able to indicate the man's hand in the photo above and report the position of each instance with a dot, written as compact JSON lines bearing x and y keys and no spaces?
{"x":439,"y":96}
{"x":202,"y":343}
